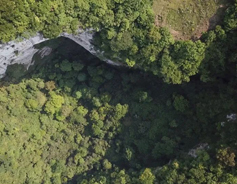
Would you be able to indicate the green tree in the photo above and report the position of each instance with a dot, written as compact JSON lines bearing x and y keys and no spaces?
{"x":147,"y":177}
{"x":54,"y":103}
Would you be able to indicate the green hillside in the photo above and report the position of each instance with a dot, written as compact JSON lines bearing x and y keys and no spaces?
{"x":188,"y":19}
{"x":72,"y":119}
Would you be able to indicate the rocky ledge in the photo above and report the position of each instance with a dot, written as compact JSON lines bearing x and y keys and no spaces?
{"x":22,"y":52}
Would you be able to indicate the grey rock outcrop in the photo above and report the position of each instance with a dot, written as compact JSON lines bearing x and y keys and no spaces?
{"x":15,"y":52}
{"x":18,"y":52}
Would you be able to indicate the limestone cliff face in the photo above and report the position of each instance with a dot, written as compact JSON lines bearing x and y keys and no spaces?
{"x":84,"y":39}
{"x":22,"y":52}
{"x":18,"y":52}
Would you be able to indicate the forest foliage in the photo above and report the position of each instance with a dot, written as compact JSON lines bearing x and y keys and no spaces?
{"x":73,"y":121}
{"x":125,"y":32}
{"x":113,"y":127}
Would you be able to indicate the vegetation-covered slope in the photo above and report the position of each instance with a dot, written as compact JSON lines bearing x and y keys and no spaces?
{"x":72,"y":120}
{"x":125,"y":32}
{"x":84,"y":122}
{"x":188,"y":19}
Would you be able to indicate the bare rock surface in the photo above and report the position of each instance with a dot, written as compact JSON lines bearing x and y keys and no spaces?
{"x":22,"y":52}
{"x":18,"y":52}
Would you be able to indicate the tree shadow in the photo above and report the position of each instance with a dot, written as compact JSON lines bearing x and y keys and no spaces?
{"x":218,"y":17}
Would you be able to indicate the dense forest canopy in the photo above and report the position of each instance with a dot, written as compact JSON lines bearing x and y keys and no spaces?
{"x":125,"y":30}
{"x":74,"y":119}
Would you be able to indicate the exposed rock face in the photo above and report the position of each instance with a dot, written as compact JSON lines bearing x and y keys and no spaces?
{"x":194,"y":152}
{"x":84,"y":39}
{"x":22,"y":52}
{"x":18,"y":52}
